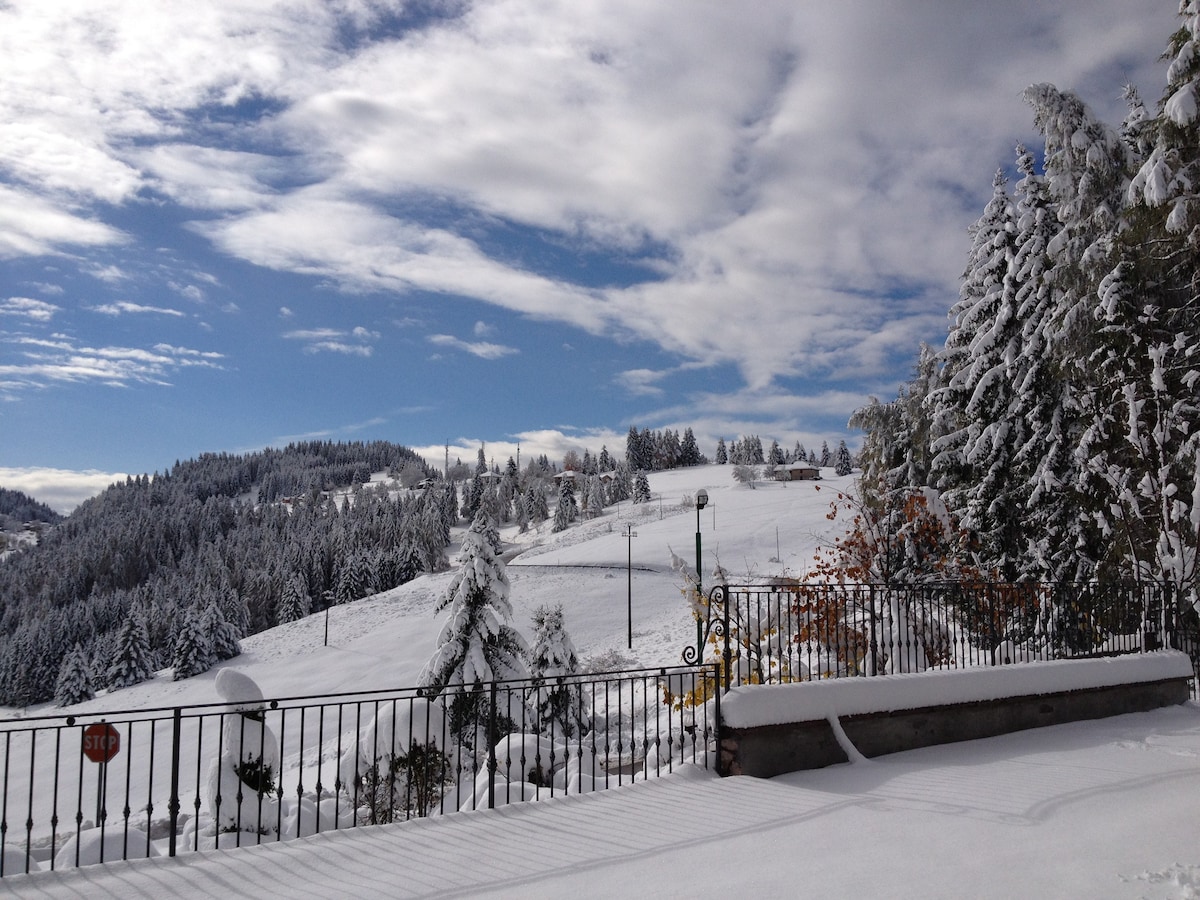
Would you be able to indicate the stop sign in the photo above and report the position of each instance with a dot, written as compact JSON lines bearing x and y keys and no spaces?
{"x":101,"y":742}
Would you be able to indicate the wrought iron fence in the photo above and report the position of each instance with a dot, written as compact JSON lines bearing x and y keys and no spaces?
{"x":798,"y":632}
{"x":117,"y":785}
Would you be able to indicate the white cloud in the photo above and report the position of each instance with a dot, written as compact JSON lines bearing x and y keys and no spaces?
{"x":525,"y":445}
{"x":125,"y":307}
{"x":25,"y":307}
{"x":60,"y":489}
{"x":482,"y":349}
{"x":32,"y":226}
{"x":804,"y":173}
{"x":61,"y":360}
{"x":641,"y":381}
{"x":332,"y":340}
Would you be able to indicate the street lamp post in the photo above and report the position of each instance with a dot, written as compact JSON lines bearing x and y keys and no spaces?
{"x":630,"y":534}
{"x":701,"y":502}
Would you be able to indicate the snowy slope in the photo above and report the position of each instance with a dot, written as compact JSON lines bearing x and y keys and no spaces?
{"x":384,"y":641}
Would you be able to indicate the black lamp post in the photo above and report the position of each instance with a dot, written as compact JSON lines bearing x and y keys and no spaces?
{"x":701,"y":502}
{"x":630,"y":534}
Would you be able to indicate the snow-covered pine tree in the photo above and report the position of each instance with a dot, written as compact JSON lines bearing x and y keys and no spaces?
{"x":536,"y":503}
{"x":130,"y":664}
{"x":521,"y":509}
{"x":842,"y":464}
{"x":722,"y":457}
{"x":641,"y":488}
{"x":595,"y":495}
{"x":74,"y":683}
{"x":193,"y":652}
{"x":477,"y":644}
{"x":1044,"y":401}
{"x":689,"y":451}
{"x":971,"y":336}
{"x":560,"y":710}
{"x":621,"y":486}
{"x":565,"y":511}
{"x":295,"y":603}
{"x":1150,"y":337}
{"x":222,"y":637}
{"x":1086,"y":176}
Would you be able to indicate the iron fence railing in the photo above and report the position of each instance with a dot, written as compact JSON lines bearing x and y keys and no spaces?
{"x":181,"y":779}
{"x":798,"y":632}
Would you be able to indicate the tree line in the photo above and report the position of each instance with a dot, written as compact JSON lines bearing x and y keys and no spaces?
{"x":174,"y":568}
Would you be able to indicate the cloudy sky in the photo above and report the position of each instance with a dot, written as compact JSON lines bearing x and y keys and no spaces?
{"x":226,"y":225}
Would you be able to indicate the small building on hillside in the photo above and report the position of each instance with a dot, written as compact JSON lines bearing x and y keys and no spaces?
{"x":798,"y":471}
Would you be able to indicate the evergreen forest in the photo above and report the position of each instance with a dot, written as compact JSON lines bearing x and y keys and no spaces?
{"x":1059,"y":426}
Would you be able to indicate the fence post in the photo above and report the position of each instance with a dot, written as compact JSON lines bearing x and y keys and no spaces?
{"x":873,"y":668}
{"x":492,"y":765}
{"x":717,"y":727}
{"x":727,"y":657}
{"x":173,"y":802}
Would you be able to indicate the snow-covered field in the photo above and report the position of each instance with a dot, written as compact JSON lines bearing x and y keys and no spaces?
{"x":1101,"y":809}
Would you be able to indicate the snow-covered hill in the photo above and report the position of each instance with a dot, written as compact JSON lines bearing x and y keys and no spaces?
{"x":771,"y":529}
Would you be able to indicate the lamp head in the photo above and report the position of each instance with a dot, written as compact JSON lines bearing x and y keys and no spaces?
{"x":701,"y":498}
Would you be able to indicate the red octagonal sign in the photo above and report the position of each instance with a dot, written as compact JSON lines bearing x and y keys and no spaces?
{"x":101,"y":742}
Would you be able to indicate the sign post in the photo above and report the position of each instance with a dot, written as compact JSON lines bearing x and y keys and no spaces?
{"x":101,"y":742}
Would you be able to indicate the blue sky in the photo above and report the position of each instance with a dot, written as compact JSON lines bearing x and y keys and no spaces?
{"x":228,"y":225}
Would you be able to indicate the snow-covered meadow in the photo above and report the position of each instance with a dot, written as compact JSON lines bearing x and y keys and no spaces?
{"x":1091,"y":809}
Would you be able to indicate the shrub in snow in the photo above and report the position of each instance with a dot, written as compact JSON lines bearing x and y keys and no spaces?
{"x":530,"y":758}
{"x":241,"y":783}
{"x":745,"y":474}
{"x":397,"y":769}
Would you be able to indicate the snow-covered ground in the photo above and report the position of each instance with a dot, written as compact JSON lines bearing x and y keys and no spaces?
{"x":1100,"y":809}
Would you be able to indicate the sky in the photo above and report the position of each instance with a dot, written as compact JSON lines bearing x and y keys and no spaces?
{"x":225,"y":226}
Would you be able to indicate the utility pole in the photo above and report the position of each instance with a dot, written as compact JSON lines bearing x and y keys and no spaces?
{"x":630,"y":534}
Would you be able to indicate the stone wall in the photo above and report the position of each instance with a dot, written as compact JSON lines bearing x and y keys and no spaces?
{"x":774,"y":748}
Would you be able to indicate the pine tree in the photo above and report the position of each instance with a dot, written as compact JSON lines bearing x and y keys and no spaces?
{"x":476,"y":644}
{"x":193,"y":651}
{"x":564,"y":512}
{"x":1085,"y":169}
{"x":222,"y":637}
{"x":1149,"y":343}
{"x":595,"y":496}
{"x":295,"y":603}
{"x":842,"y":464}
{"x":130,"y":664}
{"x":559,"y":705}
{"x":74,"y":683}
{"x":641,"y":488}
{"x":981,"y":484}
{"x":722,"y":457}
